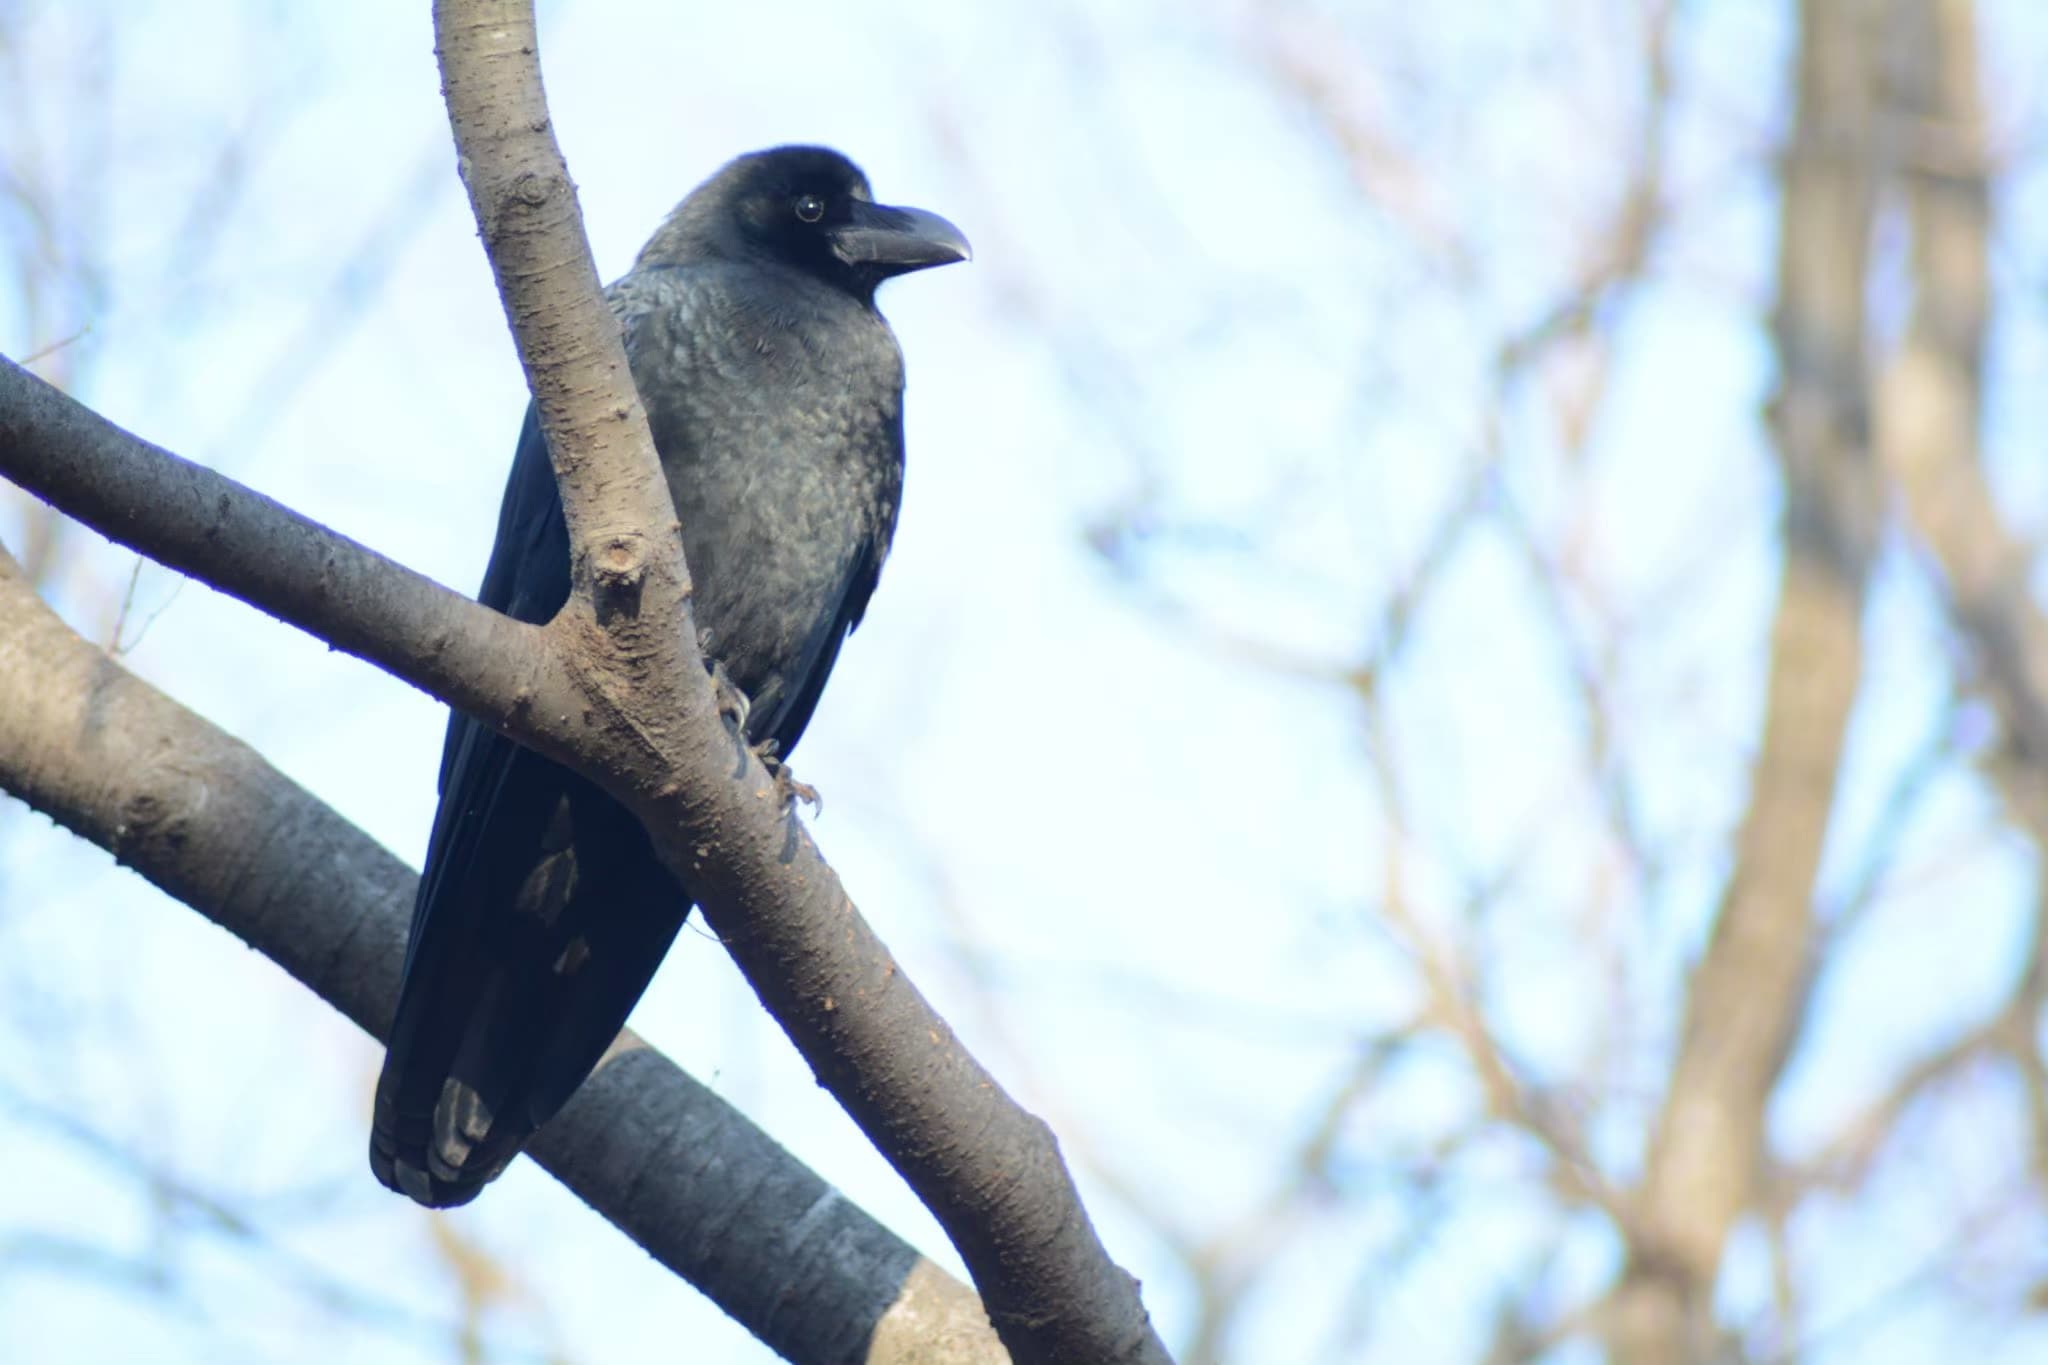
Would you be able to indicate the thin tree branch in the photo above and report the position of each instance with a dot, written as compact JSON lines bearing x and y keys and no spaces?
{"x":1928,"y":416}
{"x":174,"y":1200}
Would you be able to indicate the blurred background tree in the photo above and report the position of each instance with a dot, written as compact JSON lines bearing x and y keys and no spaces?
{"x":1535,"y":506}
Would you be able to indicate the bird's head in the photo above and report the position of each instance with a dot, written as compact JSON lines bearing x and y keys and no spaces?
{"x":807,"y":207}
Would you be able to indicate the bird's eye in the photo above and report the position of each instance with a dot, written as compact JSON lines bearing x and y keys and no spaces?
{"x":810,"y":207}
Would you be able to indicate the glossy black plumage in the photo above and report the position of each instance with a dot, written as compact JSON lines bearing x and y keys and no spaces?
{"x":773,"y":389}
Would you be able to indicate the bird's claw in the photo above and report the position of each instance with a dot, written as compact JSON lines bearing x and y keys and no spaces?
{"x":787,"y":789}
{"x":733,"y":708}
{"x":733,"y":703}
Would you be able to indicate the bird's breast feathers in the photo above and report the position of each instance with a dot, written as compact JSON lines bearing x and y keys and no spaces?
{"x":761,"y":335}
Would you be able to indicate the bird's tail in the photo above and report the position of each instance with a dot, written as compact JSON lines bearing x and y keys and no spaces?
{"x":509,"y":1001}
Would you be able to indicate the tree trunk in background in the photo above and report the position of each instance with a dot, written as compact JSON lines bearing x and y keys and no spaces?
{"x":1748,"y":995}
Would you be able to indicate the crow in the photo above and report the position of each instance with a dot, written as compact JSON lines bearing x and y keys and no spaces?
{"x":774,"y":392}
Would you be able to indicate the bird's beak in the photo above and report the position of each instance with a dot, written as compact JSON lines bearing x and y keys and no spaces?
{"x":896,"y":240}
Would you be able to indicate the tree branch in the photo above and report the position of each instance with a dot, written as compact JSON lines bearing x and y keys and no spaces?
{"x":613,"y":490}
{"x":1747,"y":998}
{"x":234,"y":539}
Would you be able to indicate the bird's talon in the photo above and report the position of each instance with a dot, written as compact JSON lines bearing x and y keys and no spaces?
{"x":788,"y":790}
{"x":792,"y":791}
{"x":733,"y":705}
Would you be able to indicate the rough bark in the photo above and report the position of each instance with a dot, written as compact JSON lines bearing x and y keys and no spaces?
{"x":1747,"y":995}
{"x":202,"y":816}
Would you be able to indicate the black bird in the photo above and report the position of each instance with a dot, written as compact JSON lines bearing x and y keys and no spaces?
{"x":774,"y":391}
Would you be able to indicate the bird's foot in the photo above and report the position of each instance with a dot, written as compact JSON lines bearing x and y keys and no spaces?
{"x":787,"y":788}
{"x":733,"y":704}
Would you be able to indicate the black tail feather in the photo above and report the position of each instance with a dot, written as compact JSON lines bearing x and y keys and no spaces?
{"x":541,"y":920}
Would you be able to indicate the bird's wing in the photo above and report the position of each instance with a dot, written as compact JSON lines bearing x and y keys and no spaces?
{"x":785,"y":723}
{"x":821,"y":651}
{"x":528,"y":580}
{"x":541,"y":915}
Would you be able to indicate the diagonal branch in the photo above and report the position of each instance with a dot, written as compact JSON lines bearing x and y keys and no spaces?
{"x":614,"y":496}
{"x":207,"y":525}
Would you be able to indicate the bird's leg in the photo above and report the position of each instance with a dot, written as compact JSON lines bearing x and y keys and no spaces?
{"x":733,"y":704}
{"x":787,"y":787}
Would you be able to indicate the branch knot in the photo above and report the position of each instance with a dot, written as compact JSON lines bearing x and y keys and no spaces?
{"x":618,"y":570}
{"x":533,"y":189}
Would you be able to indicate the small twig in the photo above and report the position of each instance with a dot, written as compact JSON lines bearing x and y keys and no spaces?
{"x":42,"y":352}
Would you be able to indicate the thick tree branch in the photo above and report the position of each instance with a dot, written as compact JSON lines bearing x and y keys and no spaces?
{"x":614,"y":688}
{"x":1747,"y":997}
{"x":682,"y":1173}
{"x":252,"y":548}
{"x":626,"y":631}
{"x":614,"y":496}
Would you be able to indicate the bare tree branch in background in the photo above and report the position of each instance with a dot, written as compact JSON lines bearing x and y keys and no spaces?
{"x":1929,"y":434}
{"x":1931,"y":399}
{"x":56,"y":213}
{"x":1747,"y":996}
